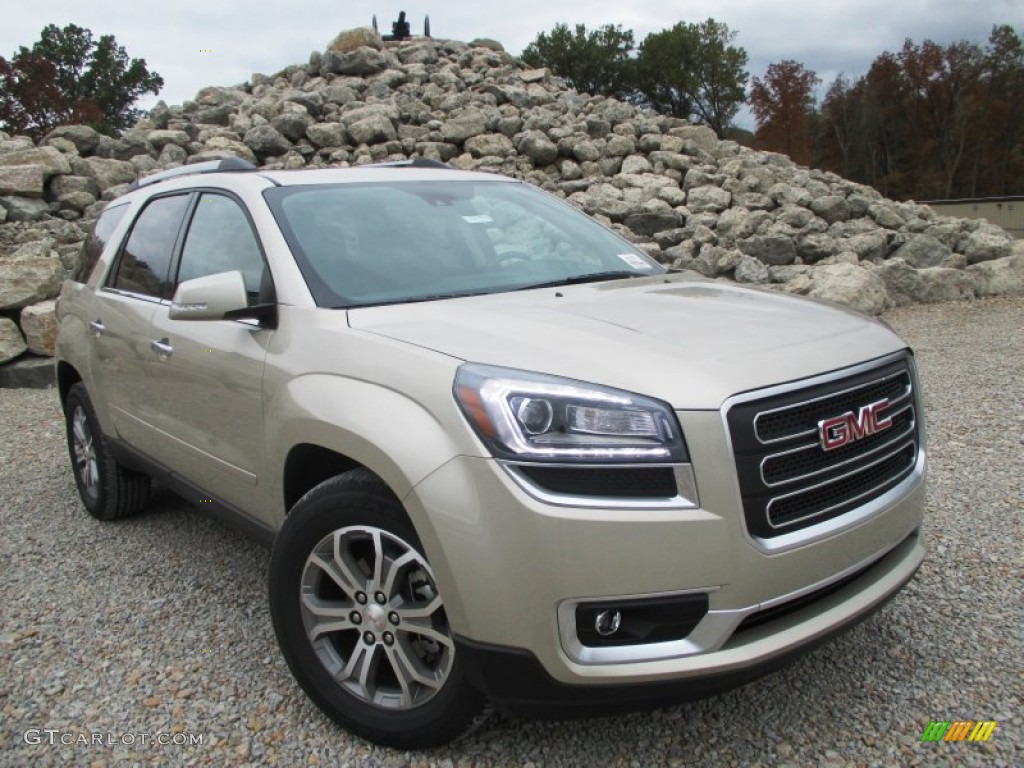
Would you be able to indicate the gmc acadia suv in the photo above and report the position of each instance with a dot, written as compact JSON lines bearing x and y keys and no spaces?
{"x":500,"y":453}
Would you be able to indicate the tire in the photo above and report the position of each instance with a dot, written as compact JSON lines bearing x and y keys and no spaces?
{"x":108,"y":490}
{"x":366,"y":634}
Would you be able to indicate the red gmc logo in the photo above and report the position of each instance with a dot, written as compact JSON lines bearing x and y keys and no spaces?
{"x":843,"y":430}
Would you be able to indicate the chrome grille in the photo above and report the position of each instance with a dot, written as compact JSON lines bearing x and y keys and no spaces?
{"x":788,"y":481}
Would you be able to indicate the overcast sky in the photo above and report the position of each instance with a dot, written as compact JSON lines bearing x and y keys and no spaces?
{"x":195,"y":43}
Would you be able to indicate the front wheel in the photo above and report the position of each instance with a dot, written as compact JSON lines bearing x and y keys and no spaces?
{"x":360,"y":620}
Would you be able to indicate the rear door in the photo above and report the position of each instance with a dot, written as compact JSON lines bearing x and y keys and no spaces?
{"x":205,"y":395}
{"x":135,"y":286}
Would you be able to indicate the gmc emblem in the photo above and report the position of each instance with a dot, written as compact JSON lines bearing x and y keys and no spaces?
{"x":843,"y":430}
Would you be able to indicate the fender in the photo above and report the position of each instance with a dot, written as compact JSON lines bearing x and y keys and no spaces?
{"x":394,"y":436}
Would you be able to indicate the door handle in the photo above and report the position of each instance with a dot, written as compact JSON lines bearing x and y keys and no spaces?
{"x":162,"y":348}
{"x":97,"y":327}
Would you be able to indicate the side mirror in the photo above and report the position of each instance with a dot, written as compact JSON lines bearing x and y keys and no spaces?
{"x":209,"y":298}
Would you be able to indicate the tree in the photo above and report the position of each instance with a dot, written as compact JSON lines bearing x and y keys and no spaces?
{"x":782,"y":104}
{"x":693,"y":71}
{"x":999,"y":165}
{"x":596,"y":62}
{"x":67,"y":77}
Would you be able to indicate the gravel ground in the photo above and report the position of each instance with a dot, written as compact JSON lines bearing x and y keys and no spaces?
{"x":159,"y":624}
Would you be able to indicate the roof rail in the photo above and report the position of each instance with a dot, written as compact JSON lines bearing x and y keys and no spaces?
{"x":416,"y":162}
{"x":213,"y":166}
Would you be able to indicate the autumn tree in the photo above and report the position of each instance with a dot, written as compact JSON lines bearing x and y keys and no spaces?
{"x":597,"y":62}
{"x":782,"y":103}
{"x":693,"y":71}
{"x":68,"y":77}
{"x":932,"y":121}
{"x":997,"y":167}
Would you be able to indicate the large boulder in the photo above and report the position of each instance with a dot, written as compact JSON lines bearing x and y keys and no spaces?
{"x":774,"y":250}
{"x":326,"y":134}
{"x":39,"y":324}
{"x":11,"y":342}
{"x":292,"y":125}
{"x":489,"y":144}
{"x":922,"y":251}
{"x":831,"y":208}
{"x":538,"y":147}
{"x":375,"y":129}
{"x":48,"y":158}
{"x":851,"y":285}
{"x":903,"y":283}
{"x":75,"y":192}
{"x":109,"y":173}
{"x":360,"y":62}
{"x":161,"y":138}
{"x":464,"y":126}
{"x":651,"y":222}
{"x":227,"y":148}
{"x":947,"y":284}
{"x":983,"y":246}
{"x":707,"y":198}
{"x":351,"y":39}
{"x":29,"y":275}
{"x":24,"y":180}
{"x":18,"y":208}
{"x":751,"y":270}
{"x":999,"y":277}
{"x":84,"y":138}
{"x":266,"y":140}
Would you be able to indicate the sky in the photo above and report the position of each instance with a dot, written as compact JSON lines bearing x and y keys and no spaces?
{"x":196,"y":43}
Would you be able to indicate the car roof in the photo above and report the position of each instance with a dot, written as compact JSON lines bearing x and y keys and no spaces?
{"x":234,"y":172}
{"x":372,"y":173}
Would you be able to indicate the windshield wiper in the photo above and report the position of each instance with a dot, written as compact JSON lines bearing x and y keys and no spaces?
{"x":592,"y":277}
{"x":411,"y":300}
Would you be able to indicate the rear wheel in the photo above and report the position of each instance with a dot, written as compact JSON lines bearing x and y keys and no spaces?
{"x":108,"y":490}
{"x":360,"y":619}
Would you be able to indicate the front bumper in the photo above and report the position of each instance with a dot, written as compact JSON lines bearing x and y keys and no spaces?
{"x":508,"y":564}
{"x":518,"y":684}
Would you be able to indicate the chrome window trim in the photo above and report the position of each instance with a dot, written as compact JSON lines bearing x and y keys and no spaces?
{"x":132,"y":295}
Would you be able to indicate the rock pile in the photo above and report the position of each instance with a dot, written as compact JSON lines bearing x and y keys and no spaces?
{"x":688,"y":199}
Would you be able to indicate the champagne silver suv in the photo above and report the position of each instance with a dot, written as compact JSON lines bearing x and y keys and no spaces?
{"x":500,"y":453}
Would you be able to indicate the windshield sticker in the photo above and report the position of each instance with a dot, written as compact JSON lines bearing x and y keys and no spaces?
{"x":634,"y":261}
{"x":481,"y":219}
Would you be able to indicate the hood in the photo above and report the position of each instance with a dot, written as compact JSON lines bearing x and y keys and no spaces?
{"x":692,"y":343}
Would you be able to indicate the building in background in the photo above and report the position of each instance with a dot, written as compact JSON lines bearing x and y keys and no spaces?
{"x":1005,"y":212}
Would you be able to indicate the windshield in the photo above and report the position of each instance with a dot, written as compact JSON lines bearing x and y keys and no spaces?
{"x":389,"y":242}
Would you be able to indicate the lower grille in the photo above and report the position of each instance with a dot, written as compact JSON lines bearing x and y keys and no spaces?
{"x":789,"y":479}
{"x":794,"y":605}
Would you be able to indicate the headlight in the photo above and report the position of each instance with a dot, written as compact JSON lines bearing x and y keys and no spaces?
{"x":532,"y":417}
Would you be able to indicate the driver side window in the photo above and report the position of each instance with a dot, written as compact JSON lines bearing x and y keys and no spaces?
{"x":220,"y":239}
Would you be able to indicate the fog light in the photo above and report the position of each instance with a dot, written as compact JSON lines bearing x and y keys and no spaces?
{"x":608,"y":623}
{"x":642,"y":620}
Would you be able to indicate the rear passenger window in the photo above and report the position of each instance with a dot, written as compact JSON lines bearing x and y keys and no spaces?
{"x":99,"y":236}
{"x":220,"y":239}
{"x":146,"y":258}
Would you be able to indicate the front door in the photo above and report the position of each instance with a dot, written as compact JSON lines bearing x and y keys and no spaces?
{"x":205,"y":397}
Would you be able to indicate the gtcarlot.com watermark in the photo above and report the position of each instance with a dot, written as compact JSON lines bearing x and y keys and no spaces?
{"x":55,"y":736}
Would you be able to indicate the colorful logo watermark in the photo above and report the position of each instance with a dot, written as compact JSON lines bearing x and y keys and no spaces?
{"x":958,"y":730}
